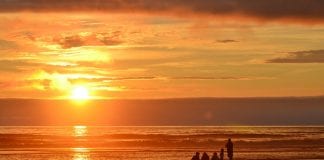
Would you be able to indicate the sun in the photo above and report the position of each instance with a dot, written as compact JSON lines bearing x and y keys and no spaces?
{"x":80,"y":93}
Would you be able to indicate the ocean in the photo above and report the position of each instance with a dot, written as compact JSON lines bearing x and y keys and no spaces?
{"x":158,"y":143}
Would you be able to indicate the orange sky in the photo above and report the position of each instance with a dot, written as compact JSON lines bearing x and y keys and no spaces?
{"x":145,"y":49}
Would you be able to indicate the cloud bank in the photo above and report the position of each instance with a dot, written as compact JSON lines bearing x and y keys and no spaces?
{"x":313,"y":56}
{"x":262,"y":9}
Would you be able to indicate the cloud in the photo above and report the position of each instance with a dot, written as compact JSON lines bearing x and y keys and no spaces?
{"x":70,"y":41}
{"x":264,"y":9}
{"x":30,"y":65}
{"x":43,"y":80}
{"x":164,"y":78}
{"x":312,"y":56}
{"x":88,"y":39}
{"x":210,"y":78}
{"x":109,"y":39}
{"x":4,"y":44}
{"x":227,"y":41}
{"x":16,"y":65}
{"x":220,"y":78}
{"x":73,"y":80}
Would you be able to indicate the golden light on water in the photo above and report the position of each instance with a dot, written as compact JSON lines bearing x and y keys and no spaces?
{"x":80,"y":150}
{"x":80,"y":131}
{"x":81,"y":154}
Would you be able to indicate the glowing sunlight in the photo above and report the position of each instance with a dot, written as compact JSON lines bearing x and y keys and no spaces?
{"x":81,"y":154}
{"x":80,"y":93}
{"x":80,"y":131}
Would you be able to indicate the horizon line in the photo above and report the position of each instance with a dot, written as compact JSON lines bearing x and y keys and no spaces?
{"x":169,"y":98}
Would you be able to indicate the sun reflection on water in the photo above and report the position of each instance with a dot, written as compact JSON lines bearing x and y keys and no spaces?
{"x":80,"y":131}
{"x":81,"y":154}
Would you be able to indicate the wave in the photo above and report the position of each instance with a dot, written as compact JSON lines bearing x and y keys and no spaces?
{"x":159,"y":140}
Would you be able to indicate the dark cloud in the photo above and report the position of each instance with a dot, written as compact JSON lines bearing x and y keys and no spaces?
{"x":4,"y":44}
{"x":227,"y":41}
{"x":220,"y":78}
{"x":21,"y":65}
{"x":265,"y":9}
{"x":313,"y":56}
{"x":211,"y":78}
{"x":16,"y":65}
{"x":110,"y":39}
{"x":78,"y":40}
{"x":70,"y":41}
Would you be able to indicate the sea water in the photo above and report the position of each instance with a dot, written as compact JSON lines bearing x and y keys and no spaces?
{"x":158,"y":143}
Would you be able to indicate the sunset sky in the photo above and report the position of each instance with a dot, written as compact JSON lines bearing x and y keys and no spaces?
{"x":147,"y":49}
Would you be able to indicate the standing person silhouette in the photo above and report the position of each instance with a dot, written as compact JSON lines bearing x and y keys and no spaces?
{"x":229,"y":147}
{"x":221,"y":154}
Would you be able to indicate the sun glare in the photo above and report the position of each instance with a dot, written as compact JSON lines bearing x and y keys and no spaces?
{"x":80,"y":93}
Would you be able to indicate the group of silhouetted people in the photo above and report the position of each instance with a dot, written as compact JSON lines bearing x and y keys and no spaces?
{"x":229,"y":148}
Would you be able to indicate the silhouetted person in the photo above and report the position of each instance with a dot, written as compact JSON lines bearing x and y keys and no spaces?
{"x":215,"y":156}
{"x":229,"y":147}
{"x":205,"y":156}
{"x":196,"y":157}
{"x":221,"y":154}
